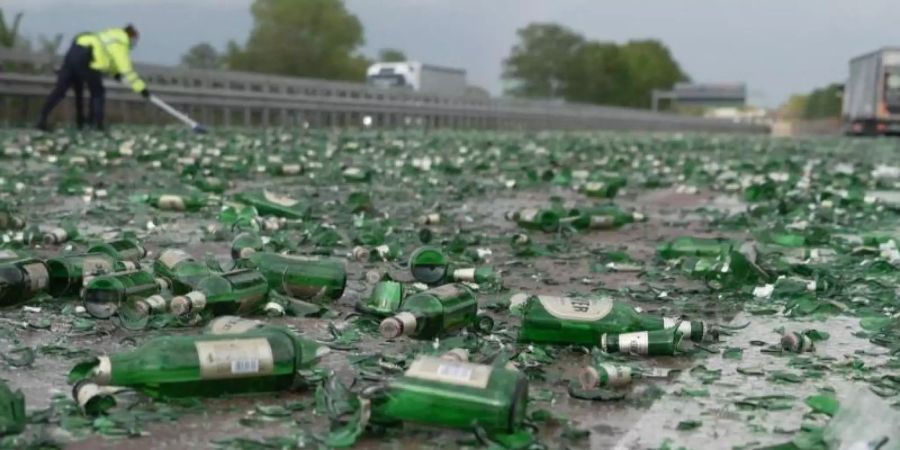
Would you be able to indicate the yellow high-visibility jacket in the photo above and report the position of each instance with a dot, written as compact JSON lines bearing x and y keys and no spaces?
{"x":111,"y":55}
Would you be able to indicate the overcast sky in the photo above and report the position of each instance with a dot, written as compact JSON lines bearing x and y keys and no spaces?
{"x":778,"y":47}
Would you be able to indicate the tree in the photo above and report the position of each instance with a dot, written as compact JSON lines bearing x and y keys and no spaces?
{"x":824,"y":103}
{"x":202,"y":56}
{"x":551,"y":61}
{"x":391,"y":55}
{"x":537,"y":65}
{"x":598,"y":73}
{"x":310,"y":38}
{"x":795,"y":107}
{"x":650,"y":66}
{"x":9,"y":33}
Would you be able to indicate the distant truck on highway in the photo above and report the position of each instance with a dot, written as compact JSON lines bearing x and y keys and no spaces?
{"x":872,"y":94}
{"x":418,"y":77}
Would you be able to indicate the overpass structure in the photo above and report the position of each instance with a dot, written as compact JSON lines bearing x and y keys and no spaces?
{"x":226,"y":98}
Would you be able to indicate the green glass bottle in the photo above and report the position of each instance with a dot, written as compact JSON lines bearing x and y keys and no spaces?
{"x":181,"y":270}
{"x":67,"y":273}
{"x":61,"y":234}
{"x":357,"y":175}
{"x":455,"y":394}
{"x":603,"y":187}
{"x":122,"y":250}
{"x":271,"y":204}
{"x":300,"y":277}
{"x":612,"y":375}
{"x":644,"y":343}
{"x":246,"y":244}
{"x":386,"y":298}
{"x":104,"y":294}
{"x":603,"y":217}
{"x":797,"y":343}
{"x":263,"y":360}
{"x":21,"y":280}
{"x":284,"y":169}
{"x":479,"y":275}
{"x":536,"y":219}
{"x":179,"y":202}
{"x":433,"y":313}
{"x":564,"y":320}
{"x":240,"y":292}
{"x":10,"y":222}
{"x":428,"y":265}
{"x":691,"y":246}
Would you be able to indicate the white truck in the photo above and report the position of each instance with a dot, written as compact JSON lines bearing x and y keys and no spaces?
{"x":418,"y":77}
{"x":872,"y":94}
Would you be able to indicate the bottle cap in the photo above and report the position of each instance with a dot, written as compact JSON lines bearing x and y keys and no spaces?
{"x":588,"y":377}
{"x":399,"y":325}
{"x":180,"y":305}
{"x":55,"y":236}
{"x":361,"y":253}
{"x":103,"y":371}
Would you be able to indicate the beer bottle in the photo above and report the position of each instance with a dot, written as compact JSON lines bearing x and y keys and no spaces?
{"x":104,"y":294}
{"x":181,"y":270}
{"x":246,"y":244}
{"x":386,"y":298}
{"x":61,"y":234}
{"x":432,"y":313}
{"x":179,"y":202}
{"x":67,"y":273}
{"x":455,"y":394}
{"x":263,"y":360}
{"x":122,"y":250}
{"x":428,"y":265}
{"x":566,"y":320}
{"x":239,"y":292}
{"x":300,"y":277}
{"x":644,"y":343}
{"x":536,"y":219}
{"x":21,"y":280}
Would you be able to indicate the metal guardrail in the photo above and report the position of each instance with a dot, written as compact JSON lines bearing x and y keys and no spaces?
{"x":228,"y":98}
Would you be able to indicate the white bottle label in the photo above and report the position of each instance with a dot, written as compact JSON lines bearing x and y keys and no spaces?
{"x":235,"y":358}
{"x":634,"y":343}
{"x":171,"y":202}
{"x":279,"y":200}
{"x":684,"y":327}
{"x":38,"y":278}
{"x":579,"y":309}
{"x":618,"y":375}
{"x":451,"y":372}
{"x":464,"y":275}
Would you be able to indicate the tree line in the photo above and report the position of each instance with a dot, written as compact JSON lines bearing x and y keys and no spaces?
{"x":322,"y":39}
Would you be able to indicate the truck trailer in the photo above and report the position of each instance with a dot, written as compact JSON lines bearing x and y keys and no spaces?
{"x":418,"y":77}
{"x":872,"y":94}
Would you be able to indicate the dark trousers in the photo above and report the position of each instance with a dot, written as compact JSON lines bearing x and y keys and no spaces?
{"x":76,"y":73}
